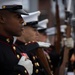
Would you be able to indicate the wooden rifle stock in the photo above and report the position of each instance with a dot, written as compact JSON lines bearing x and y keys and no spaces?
{"x":43,"y":59}
{"x":66,"y":49}
{"x":66,"y":52}
{"x":57,"y":44}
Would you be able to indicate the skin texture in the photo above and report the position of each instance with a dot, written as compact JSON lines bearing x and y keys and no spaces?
{"x":29,"y":34}
{"x":10,"y":23}
{"x":42,"y":37}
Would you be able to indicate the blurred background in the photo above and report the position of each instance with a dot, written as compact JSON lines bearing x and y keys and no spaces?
{"x":48,"y":10}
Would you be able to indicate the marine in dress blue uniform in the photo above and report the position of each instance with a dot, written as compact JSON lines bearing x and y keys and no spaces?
{"x":42,"y":27}
{"x":9,"y":55}
{"x":31,"y":46}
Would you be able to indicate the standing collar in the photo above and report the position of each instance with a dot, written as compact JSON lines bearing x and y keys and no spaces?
{"x":18,"y":42}
{"x":5,"y":39}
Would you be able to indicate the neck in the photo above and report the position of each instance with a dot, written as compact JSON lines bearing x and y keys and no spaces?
{"x":4,"y":33}
{"x":21,"y":39}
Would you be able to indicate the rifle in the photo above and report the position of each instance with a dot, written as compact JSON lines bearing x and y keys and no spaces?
{"x":58,"y":28}
{"x":43,"y":59}
{"x":68,"y":15}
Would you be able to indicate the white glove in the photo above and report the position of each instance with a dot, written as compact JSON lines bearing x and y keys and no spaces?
{"x":44,"y":44}
{"x":63,"y":41}
{"x":69,"y":42}
{"x":27,"y":64}
{"x":70,"y":73}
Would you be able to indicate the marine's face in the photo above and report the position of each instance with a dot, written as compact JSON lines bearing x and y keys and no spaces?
{"x":30,"y":34}
{"x":42,"y":37}
{"x":12,"y":23}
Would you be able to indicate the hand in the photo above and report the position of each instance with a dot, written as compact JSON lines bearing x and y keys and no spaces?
{"x":69,"y":42}
{"x":44,"y":44}
{"x":70,"y":73}
{"x":63,"y":41}
{"x":27,"y":64}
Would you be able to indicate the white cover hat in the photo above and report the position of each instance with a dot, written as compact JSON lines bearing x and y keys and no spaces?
{"x":42,"y":24}
{"x":14,"y":5}
{"x":31,"y":19}
{"x":53,"y":31}
{"x":33,"y":16}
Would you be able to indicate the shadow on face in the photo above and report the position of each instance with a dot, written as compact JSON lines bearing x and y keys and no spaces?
{"x":10,"y":23}
{"x":42,"y":37}
{"x":30,"y":34}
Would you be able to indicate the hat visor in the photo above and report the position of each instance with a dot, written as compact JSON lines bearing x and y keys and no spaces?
{"x":20,"y":11}
{"x":32,"y":24}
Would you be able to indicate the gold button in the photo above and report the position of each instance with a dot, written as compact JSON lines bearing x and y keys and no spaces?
{"x":25,"y":71}
{"x":8,"y":40}
{"x":25,"y":43}
{"x":51,"y":66}
{"x":14,"y":47}
{"x":37,"y":64}
{"x":52,"y":72}
{"x":29,"y":42}
{"x":33,"y":41}
{"x":18,"y":56}
{"x":19,"y":74}
{"x":34,"y":57}
{"x":50,"y":61}
{"x":37,"y":71}
{"x":3,"y":7}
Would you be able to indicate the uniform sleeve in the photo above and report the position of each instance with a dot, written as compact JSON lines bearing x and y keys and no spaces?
{"x":20,"y":70}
